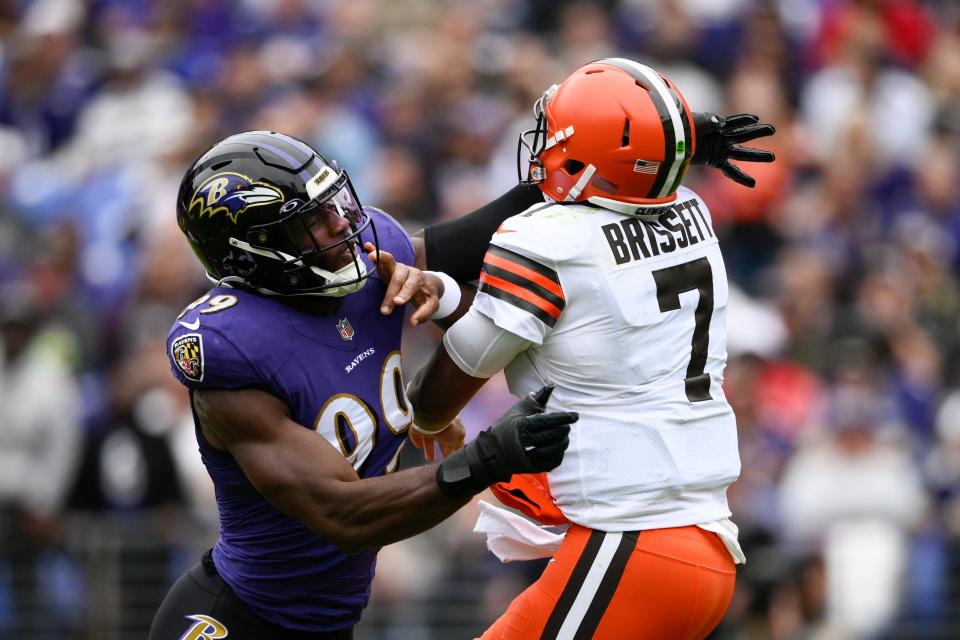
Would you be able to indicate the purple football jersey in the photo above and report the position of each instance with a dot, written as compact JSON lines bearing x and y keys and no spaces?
{"x":338,"y":374}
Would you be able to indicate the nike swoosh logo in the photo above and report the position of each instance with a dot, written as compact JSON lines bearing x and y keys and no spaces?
{"x":193,"y":326}
{"x":505,"y":231}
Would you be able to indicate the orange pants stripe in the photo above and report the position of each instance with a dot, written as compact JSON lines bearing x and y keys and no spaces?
{"x":661,"y":584}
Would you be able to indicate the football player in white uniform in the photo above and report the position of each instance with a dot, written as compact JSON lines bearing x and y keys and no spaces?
{"x":614,"y":290}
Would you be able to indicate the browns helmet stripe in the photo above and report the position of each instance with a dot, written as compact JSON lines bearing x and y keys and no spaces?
{"x":688,"y":138}
{"x":675,"y":127}
{"x":675,"y":152}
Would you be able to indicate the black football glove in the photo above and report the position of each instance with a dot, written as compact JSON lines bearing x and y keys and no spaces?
{"x":524,"y":440}
{"x":719,"y":138}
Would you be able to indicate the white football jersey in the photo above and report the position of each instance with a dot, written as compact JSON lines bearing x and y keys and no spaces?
{"x":628,"y":319}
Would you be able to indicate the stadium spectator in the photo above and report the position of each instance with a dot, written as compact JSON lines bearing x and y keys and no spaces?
{"x":40,"y":445}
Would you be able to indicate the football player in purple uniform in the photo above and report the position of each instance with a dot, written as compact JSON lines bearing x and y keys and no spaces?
{"x":298,"y":398}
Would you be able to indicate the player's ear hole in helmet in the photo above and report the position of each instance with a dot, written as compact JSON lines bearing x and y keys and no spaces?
{"x":615,"y":133}
{"x":266,"y":211}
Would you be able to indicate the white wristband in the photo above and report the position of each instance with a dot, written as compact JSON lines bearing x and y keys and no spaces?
{"x":413,"y":425}
{"x":450,"y":299}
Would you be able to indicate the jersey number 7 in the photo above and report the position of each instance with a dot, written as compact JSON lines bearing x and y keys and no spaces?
{"x":671,"y":282}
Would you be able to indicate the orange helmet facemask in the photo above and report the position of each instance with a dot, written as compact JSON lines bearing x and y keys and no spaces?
{"x":615,"y":133}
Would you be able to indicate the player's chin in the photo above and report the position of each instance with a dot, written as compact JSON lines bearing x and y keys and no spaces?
{"x":337,"y":259}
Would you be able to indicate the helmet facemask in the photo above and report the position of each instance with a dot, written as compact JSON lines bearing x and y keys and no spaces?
{"x":535,"y":141}
{"x":306,"y":263}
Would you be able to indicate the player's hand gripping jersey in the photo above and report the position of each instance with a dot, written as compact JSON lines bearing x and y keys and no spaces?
{"x":626,"y":315}
{"x":339,"y":375}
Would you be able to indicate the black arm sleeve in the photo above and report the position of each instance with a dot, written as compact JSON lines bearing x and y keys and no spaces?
{"x":456,"y":247}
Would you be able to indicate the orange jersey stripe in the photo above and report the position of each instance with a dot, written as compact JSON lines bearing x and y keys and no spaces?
{"x":529,"y":274}
{"x":520,"y":292}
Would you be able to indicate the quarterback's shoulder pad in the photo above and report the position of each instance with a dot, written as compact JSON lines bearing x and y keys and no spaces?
{"x":391,"y":235}
{"x":552,"y":231}
{"x":520,"y":284}
{"x":217,"y":342}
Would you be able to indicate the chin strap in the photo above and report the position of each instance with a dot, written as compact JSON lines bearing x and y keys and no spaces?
{"x":352,"y":275}
{"x":630,"y":209}
{"x":582,"y":183}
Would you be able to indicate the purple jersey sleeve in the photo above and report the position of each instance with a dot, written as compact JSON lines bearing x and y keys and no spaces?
{"x":201,"y":354}
{"x":392,"y":236}
{"x":208,"y":360}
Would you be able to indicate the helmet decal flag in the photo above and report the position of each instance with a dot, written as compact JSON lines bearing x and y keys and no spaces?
{"x":232,"y":193}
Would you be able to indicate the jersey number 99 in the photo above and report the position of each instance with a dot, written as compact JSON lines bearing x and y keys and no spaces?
{"x":349,"y":424}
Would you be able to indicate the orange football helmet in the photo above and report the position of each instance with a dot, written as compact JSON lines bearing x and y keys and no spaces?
{"x":615,"y":133}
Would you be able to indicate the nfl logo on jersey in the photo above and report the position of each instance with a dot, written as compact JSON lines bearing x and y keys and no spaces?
{"x":345,"y":329}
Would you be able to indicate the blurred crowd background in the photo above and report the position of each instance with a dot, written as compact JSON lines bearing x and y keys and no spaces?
{"x":844,"y":264}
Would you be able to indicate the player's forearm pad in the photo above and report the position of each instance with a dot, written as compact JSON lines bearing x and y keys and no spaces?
{"x":516,"y":444}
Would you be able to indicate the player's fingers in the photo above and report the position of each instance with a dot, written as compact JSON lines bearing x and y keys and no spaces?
{"x":383,"y":259}
{"x":553,"y":454}
{"x":395,"y":284}
{"x":451,"y":447}
{"x":424,"y":443}
{"x":558,"y":446}
{"x":543,"y":438}
{"x":750,"y":132}
{"x":416,"y":438}
{"x":542,"y":395}
{"x":735,"y":174}
{"x":548,"y":421}
{"x":749,"y":154}
{"x":412,"y":283}
{"x":386,"y":264}
{"x":740,"y":120}
{"x":426,"y":306}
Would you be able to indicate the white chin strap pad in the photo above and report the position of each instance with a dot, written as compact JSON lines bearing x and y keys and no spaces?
{"x":344,"y":274}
